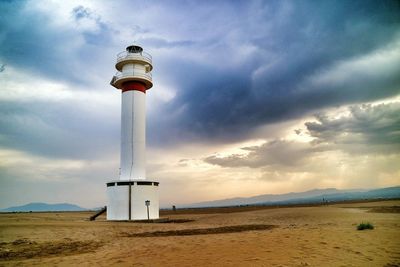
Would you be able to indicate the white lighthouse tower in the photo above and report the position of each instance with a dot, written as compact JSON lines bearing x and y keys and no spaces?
{"x":133,"y":197}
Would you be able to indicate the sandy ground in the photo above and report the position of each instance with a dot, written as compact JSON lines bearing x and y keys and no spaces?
{"x":297,"y":236}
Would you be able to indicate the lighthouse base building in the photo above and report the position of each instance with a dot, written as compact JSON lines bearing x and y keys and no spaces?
{"x":133,"y":197}
{"x":127,"y":200}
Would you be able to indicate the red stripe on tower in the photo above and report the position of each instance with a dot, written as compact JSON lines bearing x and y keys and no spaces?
{"x":133,"y":86}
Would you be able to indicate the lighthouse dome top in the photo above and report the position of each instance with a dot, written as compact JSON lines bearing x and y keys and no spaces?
{"x":134,"y":49}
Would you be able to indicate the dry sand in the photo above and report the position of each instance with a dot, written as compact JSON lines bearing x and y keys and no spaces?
{"x":296,"y":236}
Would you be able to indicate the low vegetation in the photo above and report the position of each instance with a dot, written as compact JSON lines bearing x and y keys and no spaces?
{"x":21,"y":249}
{"x":204,"y":231}
{"x":365,"y":226}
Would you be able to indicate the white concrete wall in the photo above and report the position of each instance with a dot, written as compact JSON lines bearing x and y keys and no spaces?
{"x":133,"y":68}
{"x":139,"y":195}
{"x":133,"y":136}
{"x":118,"y":202}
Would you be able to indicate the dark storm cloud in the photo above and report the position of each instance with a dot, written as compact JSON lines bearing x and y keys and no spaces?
{"x":367,"y":130}
{"x":233,"y":67}
{"x":32,"y":41}
{"x":57,"y":130}
{"x":294,"y":42}
{"x":102,"y":36}
{"x":80,"y":12}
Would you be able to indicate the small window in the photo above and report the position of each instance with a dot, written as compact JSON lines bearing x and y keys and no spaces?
{"x":144,"y":183}
{"x":124,"y":183}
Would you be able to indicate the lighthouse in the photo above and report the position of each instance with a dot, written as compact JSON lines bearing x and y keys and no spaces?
{"x":133,"y":196}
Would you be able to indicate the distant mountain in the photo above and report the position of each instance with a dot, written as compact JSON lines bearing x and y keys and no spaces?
{"x":44,"y":207}
{"x":312,"y":196}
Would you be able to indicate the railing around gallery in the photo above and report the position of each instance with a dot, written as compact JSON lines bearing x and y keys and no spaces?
{"x":120,"y":75}
{"x":139,"y":56}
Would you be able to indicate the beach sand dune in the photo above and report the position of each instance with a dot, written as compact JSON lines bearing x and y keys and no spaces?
{"x":290,"y":236}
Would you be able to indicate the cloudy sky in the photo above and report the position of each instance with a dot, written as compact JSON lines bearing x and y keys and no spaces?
{"x":249,"y":97}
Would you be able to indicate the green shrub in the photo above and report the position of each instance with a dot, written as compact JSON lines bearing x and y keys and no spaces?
{"x":363,"y":226}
